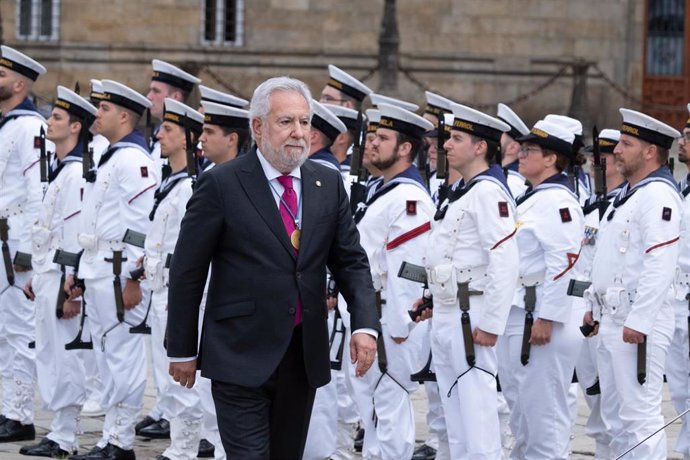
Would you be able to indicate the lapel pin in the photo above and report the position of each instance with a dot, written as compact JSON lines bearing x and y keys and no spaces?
{"x":318,"y":183}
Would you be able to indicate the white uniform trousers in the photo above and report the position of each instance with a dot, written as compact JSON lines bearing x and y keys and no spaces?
{"x":94,"y":382}
{"x":632,"y":411}
{"x":588,"y":375}
{"x":60,"y":372}
{"x":348,"y":414}
{"x":158,"y":318}
{"x":384,"y":403}
{"x":323,"y":425}
{"x":121,"y":361}
{"x":435,"y":422}
{"x":540,"y":412}
{"x":186,"y":413}
{"x":18,"y":328}
{"x":678,"y":374}
{"x":468,"y":395}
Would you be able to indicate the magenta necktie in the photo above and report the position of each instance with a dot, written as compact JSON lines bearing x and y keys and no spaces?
{"x":289,"y":199}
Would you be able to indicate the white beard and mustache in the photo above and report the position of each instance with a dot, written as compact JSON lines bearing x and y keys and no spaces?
{"x":281,"y":158}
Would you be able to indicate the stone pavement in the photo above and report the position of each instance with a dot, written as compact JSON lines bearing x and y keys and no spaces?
{"x":583,"y":447}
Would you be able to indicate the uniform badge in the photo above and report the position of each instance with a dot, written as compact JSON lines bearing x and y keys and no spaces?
{"x":144,"y":171}
{"x":503,"y":209}
{"x":666,"y":214}
{"x":411,"y":207}
{"x":565,"y":215}
{"x":37,"y":142}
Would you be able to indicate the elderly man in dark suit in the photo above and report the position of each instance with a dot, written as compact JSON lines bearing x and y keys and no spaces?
{"x":269,"y":224}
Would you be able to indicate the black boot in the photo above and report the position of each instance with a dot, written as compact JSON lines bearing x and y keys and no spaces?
{"x":45,"y":448}
{"x":156,"y":430}
{"x":109,"y":452}
{"x":359,"y":440}
{"x":12,"y":431}
{"x":146,"y":421}
{"x":206,"y":449}
{"x":424,"y":452}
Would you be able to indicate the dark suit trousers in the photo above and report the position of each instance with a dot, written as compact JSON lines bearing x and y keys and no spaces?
{"x":271,"y":421}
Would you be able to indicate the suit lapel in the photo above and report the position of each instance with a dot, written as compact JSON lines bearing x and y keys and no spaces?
{"x":310,"y":203}
{"x":255,"y":185}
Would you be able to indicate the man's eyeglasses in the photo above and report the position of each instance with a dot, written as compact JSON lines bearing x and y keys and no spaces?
{"x":685,"y":137}
{"x":325,"y":98}
{"x":524,"y":151}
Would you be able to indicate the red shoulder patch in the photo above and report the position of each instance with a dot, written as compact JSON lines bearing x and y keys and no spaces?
{"x":144,"y":171}
{"x":565,"y":215}
{"x":503,"y":209}
{"x":666,"y":214}
{"x":411,"y":207}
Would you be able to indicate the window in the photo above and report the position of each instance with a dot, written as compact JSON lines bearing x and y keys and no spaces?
{"x":665,"y":37}
{"x":38,"y":19}
{"x":222,"y":22}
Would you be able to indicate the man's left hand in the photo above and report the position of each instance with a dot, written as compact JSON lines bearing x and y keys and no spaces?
{"x":183,"y":372}
{"x":632,"y":336}
{"x":483,"y":338}
{"x":363,"y":352}
{"x":541,"y":332}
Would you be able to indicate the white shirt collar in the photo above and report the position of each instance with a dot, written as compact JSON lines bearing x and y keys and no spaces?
{"x":271,"y":172}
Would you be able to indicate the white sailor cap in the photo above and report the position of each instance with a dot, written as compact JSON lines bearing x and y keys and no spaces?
{"x":12,"y":59}
{"x":648,"y":129}
{"x":213,"y":95}
{"x":124,"y":96}
{"x":479,"y":124}
{"x":437,"y":104}
{"x":225,"y":115}
{"x":571,"y":124}
{"x":75,"y":104}
{"x":96,"y":93}
{"x":517,"y":126}
{"x":447,"y":125}
{"x":326,"y":121}
{"x":608,"y":138}
{"x":174,"y":76}
{"x":182,"y":114}
{"x":403,"y":121}
{"x":373,"y":118}
{"x":347,"y":84}
{"x":377,"y":99}
{"x":344,"y":114}
{"x":550,"y":136}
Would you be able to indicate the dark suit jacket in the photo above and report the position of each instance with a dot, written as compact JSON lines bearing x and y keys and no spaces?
{"x":233,"y":223}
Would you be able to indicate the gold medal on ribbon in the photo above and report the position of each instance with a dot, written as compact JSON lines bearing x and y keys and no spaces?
{"x":294,"y":238}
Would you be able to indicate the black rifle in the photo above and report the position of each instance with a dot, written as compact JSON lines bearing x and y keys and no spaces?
{"x":190,"y":149}
{"x":358,"y":189}
{"x":417,"y":274}
{"x":138,"y":239}
{"x":76,"y":87}
{"x":70,"y":259}
{"x":22,"y":259}
{"x":530,"y":305}
{"x":338,"y":326}
{"x":7,"y":260}
{"x":423,"y":166}
{"x":148,"y":130}
{"x":577,"y":288}
{"x":88,"y":171}
{"x":441,"y":160}
{"x":600,"y":188}
{"x":44,"y":158}
{"x":642,"y":361}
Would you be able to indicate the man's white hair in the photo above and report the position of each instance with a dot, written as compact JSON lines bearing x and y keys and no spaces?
{"x":260,"y":104}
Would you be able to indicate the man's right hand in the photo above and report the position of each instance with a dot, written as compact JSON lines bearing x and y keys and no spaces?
{"x":28,"y":290}
{"x":425,"y":314}
{"x":183,"y":372}
{"x":589,"y":319}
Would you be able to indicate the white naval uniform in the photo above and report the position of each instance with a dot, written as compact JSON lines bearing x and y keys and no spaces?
{"x":20,"y":201}
{"x":60,"y":372}
{"x":632,"y":274}
{"x":549,"y":235}
{"x":472,"y":243}
{"x":186,"y":414}
{"x":516,"y":183}
{"x":394,"y":229}
{"x":120,"y":199}
{"x":677,"y":361}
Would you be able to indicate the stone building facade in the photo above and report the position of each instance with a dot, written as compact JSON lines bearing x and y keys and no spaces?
{"x":478,"y":52}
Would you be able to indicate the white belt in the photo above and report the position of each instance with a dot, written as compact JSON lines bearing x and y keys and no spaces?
{"x":682,"y":279}
{"x":533,"y":279}
{"x":12,"y":210}
{"x":92,"y":244}
{"x":607,"y":309}
{"x":467,"y":274}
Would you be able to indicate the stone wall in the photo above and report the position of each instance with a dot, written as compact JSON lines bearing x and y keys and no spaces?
{"x":478,"y":52}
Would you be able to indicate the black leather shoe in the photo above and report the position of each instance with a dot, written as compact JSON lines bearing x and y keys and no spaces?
{"x":146,"y":421}
{"x":424,"y":452}
{"x":157,"y":430}
{"x":206,"y":449}
{"x":109,"y":452}
{"x":162,"y":457}
{"x":359,"y":440}
{"x":45,"y":448}
{"x":12,"y":431}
